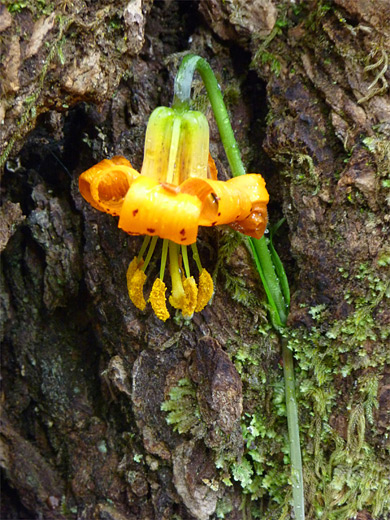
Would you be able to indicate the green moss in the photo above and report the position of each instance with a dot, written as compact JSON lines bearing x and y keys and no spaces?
{"x":183,"y":411}
{"x":263,"y":56}
{"x":235,"y":285}
{"x":268,"y":58}
{"x":379,"y":85}
{"x":224,"y":506}
{"x":37,"y":7}
{"x":379,"y":146}
{"x":345,"y":467}
{"x":16,"y":7}
{"x":351,"y":478}
{"x":31,"y":110}
{"x":344,"y":472}
{"x":262,"y":471}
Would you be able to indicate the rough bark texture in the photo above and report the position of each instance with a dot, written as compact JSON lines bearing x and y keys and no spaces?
{"x":107,"y":412}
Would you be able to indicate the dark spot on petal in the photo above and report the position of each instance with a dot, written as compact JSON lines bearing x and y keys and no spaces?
{"x":219,"y":214}
{"x":182,"y":239}
{"x":214,"y":223}
{"x":183,"y":232}
{"x":151,"y":230}
{"x":135,"y":211}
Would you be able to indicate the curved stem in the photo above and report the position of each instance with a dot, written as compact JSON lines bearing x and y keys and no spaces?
{"x":182,"y":96}
{"x":268,"y":263}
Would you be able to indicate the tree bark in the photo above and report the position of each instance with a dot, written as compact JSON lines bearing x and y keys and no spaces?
{"x":109,"y":413}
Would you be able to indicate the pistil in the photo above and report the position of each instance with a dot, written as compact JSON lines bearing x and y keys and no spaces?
{"x":177,"y":297}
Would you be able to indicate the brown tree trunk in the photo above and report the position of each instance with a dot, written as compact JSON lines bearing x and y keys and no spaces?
{"x":107,"y":412}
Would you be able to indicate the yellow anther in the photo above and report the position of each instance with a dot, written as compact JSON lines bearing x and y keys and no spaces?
{"x":158,"y":300}
{"x":191,"y":297}
{"x":133,"y":266}
{"x":135,"y":287}
{"x":205,"y":291}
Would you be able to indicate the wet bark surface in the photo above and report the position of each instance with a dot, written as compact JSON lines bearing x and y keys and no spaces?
{"x":109,"y":413}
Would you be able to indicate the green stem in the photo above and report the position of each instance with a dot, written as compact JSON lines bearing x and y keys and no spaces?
{"x":182,"y":96}
{"x":276,"y":290}
{"x":270,"y":280}
{"x":293,"y":433}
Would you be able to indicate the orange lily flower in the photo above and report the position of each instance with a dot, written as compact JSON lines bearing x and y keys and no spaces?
{"x":176,"y":192}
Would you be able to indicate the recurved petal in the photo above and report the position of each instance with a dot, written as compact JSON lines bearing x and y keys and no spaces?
{"x":105,"y":184}
{"x":254,"y":224}
{"x":109,"y":187}
{"x":234,"y":198}
{"x":232,"y":201}
{"x":152,"y":208}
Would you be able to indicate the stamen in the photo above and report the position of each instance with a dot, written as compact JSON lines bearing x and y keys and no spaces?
{"x":135,"y":288}
{"x":158,"y":301}
{"x":133,"y":266}
{"x":196,"y":257}
{"x":150,"y":253}
{"x":185,"y":261}
{"x":177,"y":297}
{"x":205,"y":291}
{"x":164,"y":254}
{"x":145,"y":244}
{"x":191,"y":297}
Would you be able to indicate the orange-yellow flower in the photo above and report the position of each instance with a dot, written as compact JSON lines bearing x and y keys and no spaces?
{"x":176,"y":192}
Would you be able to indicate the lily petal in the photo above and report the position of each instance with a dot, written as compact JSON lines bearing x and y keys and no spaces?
{"x":152,"y":208}
{"x":212,"y":172}
{"x":109,"y":188}
{"x":105,"y":184}
{"x":232,"y":202}
{"x":176,"y":145}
